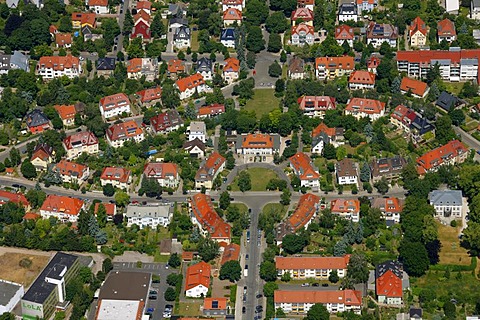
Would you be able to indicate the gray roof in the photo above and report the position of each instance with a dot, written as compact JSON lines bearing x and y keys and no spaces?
{"x":12,"y":3}
{"x":445,"y":197}
{"x":36,"y":118}
{"x":41,"y":289}
{"x":19,"y":60}
{"x":475,"y":3}
{"x":204,"y":65}
{"x":446,"y":101}
{"x":152,"y":210}
{"x":189,"y":145}
{"x":8,"y":290}
{"x":395,"y":266}
{"x":182,"y":32}
{"x":347,"y":8}
{"x":124,"y":285}
{"x":181,"y":21}
{"x":228,"y":34}
{"x":198,"y":126}
{"x":106,"y":64}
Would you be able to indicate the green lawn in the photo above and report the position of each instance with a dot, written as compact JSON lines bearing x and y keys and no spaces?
{"x":259,"y":178}
{"x":242,"y":207}
{"x":195,"y":44}
{"x":275,"y":207}
{"x":454,"y":87}
{"x":263,"y":102}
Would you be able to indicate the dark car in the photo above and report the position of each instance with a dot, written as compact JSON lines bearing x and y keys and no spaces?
{"x":153,"y":292}
{"x":244,"y":309}
{"x":315,"y":285}
{"x":152,"y":297}
{"x":324,"y":284}
{"x":258,"y":296}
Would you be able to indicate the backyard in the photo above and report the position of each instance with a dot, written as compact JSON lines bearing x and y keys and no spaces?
{"x":451,"y":251}
{"x":263,"y":102}
{"x":259,"y":179}
{"x":22,"y":268}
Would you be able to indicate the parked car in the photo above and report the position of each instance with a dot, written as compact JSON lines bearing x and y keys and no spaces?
{"x":152,"y":297}
{"x":306,"y":284}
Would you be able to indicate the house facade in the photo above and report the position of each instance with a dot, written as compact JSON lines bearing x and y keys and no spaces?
{"x":231,"y":70}
{"x":165,"y":122}
{"x":37,"y":121}
{"x":65,"y":209}
{"x":391,"y":208}
{"x":197,"y":130}
{"x":448,"y":204}
{"x":114,"y":105}
{"x":361,"y":80}
{"x":166,"y":174}
{"x":388,"y":283}
{"x":191,"y":84}
{"x":205,"y":68}
{"x":323,"y":135}
{"x":316,"y":106}
{"x":42,"y":156}
{"x":327,"y":68}
{"x":56,"y":66}
{"x":208,"y":171}
{"x":365,"y":108}
{"x":418,"y":33}
{"x":302,"y":34}
{"x":346,"y":172}
{"x":80,"y":142}
{"x":378,"y":33}
{"x":348,"y":12}
{"x":129,"y":130}
{"x":117,"y":177}
{"x":151,"y":215}
{"x":312,"y":267}
{"x":72,"y":172}
{"x":452,"y":153}
{"x":344,"y":33}
{"x":257,"y":147}
{"x":347,"y":209}
{"x":304,"y":169}
{"x":197,"y":281}
{"x":296,"y":69}
{"x":446,"y":31}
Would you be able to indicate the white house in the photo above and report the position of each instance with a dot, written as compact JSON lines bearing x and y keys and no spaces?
{"x":347,"y":209}
{"x":348,"y":12}
{"x":98,"y":6}
{"x":117,"y":177}
{"x":149,"y":215}
{"x":165,"y":173}
{"x":365,"y":108}
{"x":312,"y":267}
{"x":65,"y":209}
{"x":303,"y":168}
{"x":197,"y":281}
{"x":80,"y":142}
{"x":71,"y":171}
{"x":118,"y":133}
{"x":114,"y":105}
{"x":189,"y":85}
{"x":448,"y":204}
{"x":346,"y":172}
{"x":197,"y":130}
{"x":257,"y":147}
{"x":56,"y":66}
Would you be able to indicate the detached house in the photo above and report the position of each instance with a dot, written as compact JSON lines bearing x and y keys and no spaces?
{"x":166,"y":122}
{"x":296,"y":69}
{"x":166,"y":174}
{"x":302,"y":33}
{"x":141,"y":30}
{"x":418,"y":33}
{"x":117,"y":177}
{"x":448,"y":204}
{"x":80,"y":142}
{"x":14,"y":61}
{"x":65,"y":209}
{"x":209,"y":171}
{"x":197,"y":282}
{"x":446,"y":31}
{"x":114,"y":105}
{"x":129,"y":130}
{"x":388,"y":283}
{"x":303,"y":15}
{"x":378,"y":33}
{"x":105,"y":66}
{"x":191,"y":84}
{"x":98,"y":6}
{"x":206,"y":218}
{"x":327,"y":68}
{"x":309,"y":4}
{"x":416,"y":88}
{"x":174,"y":68}
{"x":142,"y":67}
{"x":227,"y":37}
{"x":344,"y":33}
{"x":211,"y":111}
{"x":312,"y":267}
{"x":346,"y":172}
{"x":390,"y":208}
{"x":82,"y":19}
{"x":347,"y":12}
{"x":57,"y":66}
{"x":151,"y":96}
{"x":145,"y":6}
{"x":365,"y":108}
{"x":42,"y":156}
{"x":195,"y":148}
{"x":67,"y":114}
{"x":390,"y":168}
{"x":449,"y":154}
{"x":232,"y":16}
{"x":235,"y":4}
{"x":63,"y":40}
{"x":205,"y":68}
{"x":181,"y":37}
{"x":231,"y":70}
{"x":361,"y":79}
{"x":37,"y":121}
{"x":475,"y":10}
{"x":372,"y":64}
{"x":257,"y":147}
{"x":323,"y":135}
{"x":316,"y":106}
{"x":347,"y":209}
{"x":303,"y":168}
{"x":366,"y":5}
{"x":71,"y":171}
{"x":197,"y":130}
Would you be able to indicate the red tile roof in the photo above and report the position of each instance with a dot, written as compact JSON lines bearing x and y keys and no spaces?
{"x":231,"y":65}
{"x":343,"y":205}
{"x":302,"y":27}
{"x":418,"y":25}
{"x":302,"y":164}
{"x":293,"y":263}
{"x":134,"y":65}
{"x":151,"y":94}
{"x":211,"y":166}
{"x":198,"y":274}
{"x":348,"y":297}
{"x":388,"y":205}
{"x":142,"y":15}
{"x":211,"y":110}
{"x":231,"y":253}
{"x":446,"y":28}
{"x":6,"y":196}
{"x":389,"y":285}
{"x":52,"y":29}
{"x":344,"y":32}
{"x":438,"y":156}
{"x":114,"y":101}
{"x":368,"y":106}
{"x":373,"y":62}
{"x":303,"y":14}
{"x":207,"y":216}
{"x":190,"y":82}
{"x":322,"y":127}
{"x":69,"y":168}
{"x":66,"y":112}
{"x":232,"y":14}
{"x":333,"y":63}
{"x":124,"y":130}
{"x":416,"y":87}
{"x":101,"y":3}
{"x":187,"y":255}
{"x":175,"y":65}
{"x":160,"y":170}
{"x":109,"y":208}
{"x":42,"y":153}
{"x":221,"y":304}
{"x":165,"y":120}
{"x":121,"y":175}
{"x":85,"y":138}
{"x":31,"y":216}
{"x":84,"y":18}
{"x":306,"y":209}
{"x":257,"y":140}
{"x":303,"y":3}
{"x":62,"y":39}
{"x":59,"y":63}
{"x":144,"y":5}
{"x":141,"y":29}
{"x":66,"y":205}
{"x":362,"y":77}
{"x":318,"y":103}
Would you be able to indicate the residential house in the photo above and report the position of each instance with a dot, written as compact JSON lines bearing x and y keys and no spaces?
{"x":142,"y":67}
{"x":233,"y":4}
{"x":454,"y":64}
{"x":303,"y":15}
{"x":15,"y":61}
{"x":166,"y":174}
{"x":207,"y":219}
{"x":98,"y":6}
{"x":176,"y":9}
{"x":323,"y":135}
{"x":191,"y":84}
{"x":88,"y":34}
{"x":475,"y":10}
{"x":372,"y":64}
{"x":37,"y":121}
{"x":145,"y":6}
{"x":418,"y":33}
{"x":309,"y":4}
{"x":141,"y":30}
{"x":117,"y":177}
{"x":299,"y":302}
{"x":448,"y":204}
{"x":197,"y":130}
{"x":390,"y":208}
{"x":476,"y":35}
{"x":344,"y":33}
{"x":296,"y":69}
{"x":446,"y":31}
{"x":209,"y":170}
{"x":80,"y":142}
{"x":205,"y":68}
{"x":347,"y":12}
{"x":211,"y":111}
{"x":378,"y":33}
{"x":452,"y":153}
{"x":257,"y":147}
{"x":361,"y":79}
{"x":177,"y":22}
{"x":65,"y":209}
{"x":390,"y":168}
{"x":151,"y":96}
{"x":231,"y":70}
{"x":232,"y":16}
{"x":311,"y":267}
{"x":416,"y":88}
{"x":195,"y":148}
{"x":57,"y":66}
{"x":366,"y":5}
{"x":215,"y":307}
{"x":105,"y":66}
{"x":110,"y":208}
{"x":174,"y":68}
{"x":304,"y":213}
{"x":227,"y":37}
{"x":410,"y":121}
{"x":333,"y":67}
{"x":450,"y":6}
{"x":197,"y":281}
{"x":302,"y":33}
{"x":71,"y":172}
{"x":114,"y":105}
{"x":151,"y":215}
{"x":82,"y":19}
{"x":42,"y":156}
{"x":67,"y":114}
{"x":447,"y":101}
{"x":316,"y":106}
{"x":347,"y":209}
{"x":181,"y":37}
{"x":141,"y":16}
{"x":388,"y":282}
{"x":129,"y":130}
{"x":346,"y":172}
{"x":18,"y":198}
{"x":231,"y":252}
{"x":166,"y":122}
{"x":304,"y":169}
{"x":365,"y":108}
{"x":63,"y":40}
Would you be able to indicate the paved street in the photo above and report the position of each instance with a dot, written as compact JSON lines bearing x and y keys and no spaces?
{"x":467,"y":138}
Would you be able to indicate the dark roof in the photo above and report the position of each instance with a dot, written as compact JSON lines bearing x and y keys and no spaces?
{"x":40,"y":289}
{"x":36,"y":118}
{"x":106,"y":64}
{"x":124,"y":285}
{"x":195,"y":142}
{"x":86,"y":31}
{"x":416,"y":313}
{"x":182,"y":32}
{"x":8,"y":290}
{"x":422,"y":125}
{"x":446,"y":101}
{"x":228,"y":34}
{"x":395,"y":266}
{"x":179,"y":21}
{"x":204,"y":64}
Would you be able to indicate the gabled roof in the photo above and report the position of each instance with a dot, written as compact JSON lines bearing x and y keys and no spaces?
{"x":142,"y":16}
{"x":190,"y":82}
{"x":346,"y":167}
{"x":347,"y":297}
{"x":189,"y":145}
{"x":198,"y":274}
{"x":362,"y":77}
{"x":381,"y":31}
{"x":258,"y":140}
{"x":389,"y":285}
{"x":71,"y":169}
{"x":124,"y":130}
{"x":230,"y":253}
{"x":296,"y":65}
{"x":166,"y":120}
{"x":59,"y":63}
{"x":312,"y":262}
{"x":106,"y":63}
{"x":42,"y":151}
{"x":302,"y":164}
{"x":121,"y":175}
{"x":373,"y":62}
{"x":215,"y":303}
{"x":114,"y":101}
{"x":368,"y":106}
{"x":227,"y":34}
{"x":142,"y":29}
{"x":84,"y":18}
{"x":6,"y":196}
{"x":109,"y":208}
{"x":417,"y":87}
{"x":175,"y":65}
{"x":206,"y":215}
{"x":388,"y":205}
{"x":446,"y":101}
{"x":79,"y":139}
{"x":343,"y":205}
{"x":144,"y":5}
{"x":332,"y":63}
{"x":418,"y":25}
{"x":66,"y":112}
{"x":438,"y":156}
{"x":318,"y":103}
{"x":446,"y":28}
{"x":62,"y":39}
{"x":344,"y":32}
{"x":61,"y":204}
{"x":232,"y":14}
{"x":151,"y":94}
{"x":211,"y":110}
{"x":323,"y":128}
{"x":210,"y":167}
{"x":36,"y":118}
{"x":304,"y":14}
{"x":231,"y":65}
{"x":382,"y":166}
{"x":306,"y":209}
{"x":204,"y":64}
{"x":303,"y":28}
{"x":160,"y":170}
{"x":101,"y":3}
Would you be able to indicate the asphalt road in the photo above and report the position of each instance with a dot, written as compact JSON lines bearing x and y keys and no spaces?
{"x":467,"y":138}
{"x":121,"y":17}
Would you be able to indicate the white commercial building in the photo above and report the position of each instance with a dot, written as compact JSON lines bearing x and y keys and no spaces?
{"x":150,"y":215}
